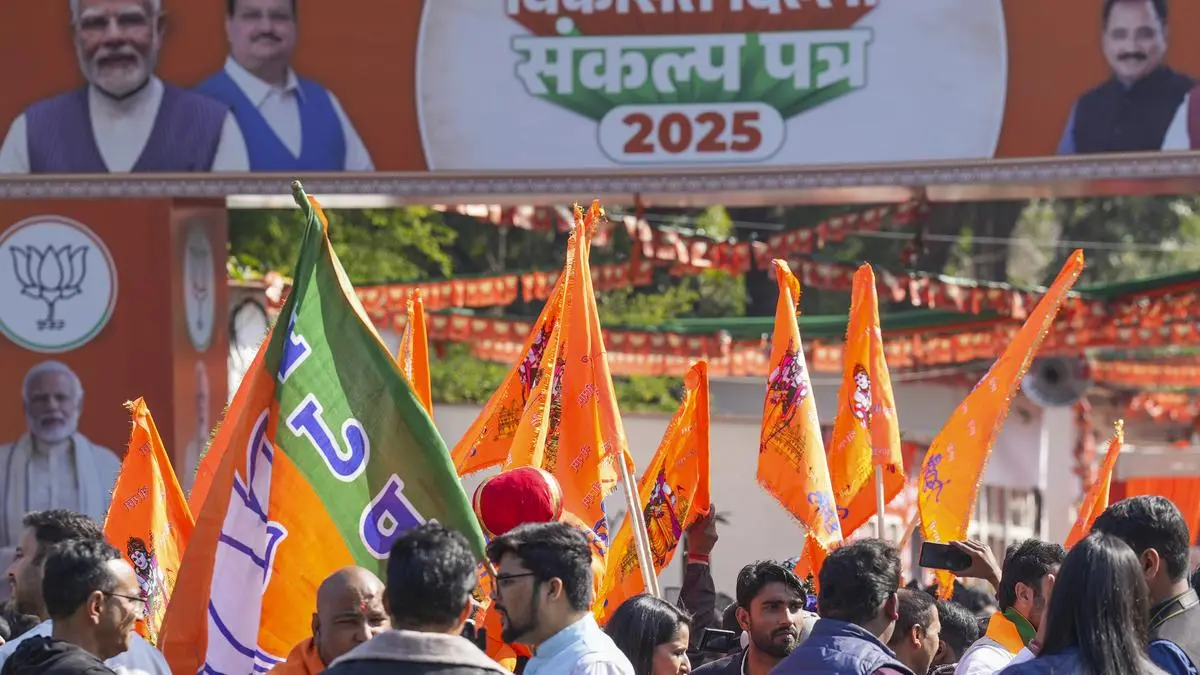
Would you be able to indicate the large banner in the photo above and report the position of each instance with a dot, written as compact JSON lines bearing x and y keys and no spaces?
{"x":597,"y":85}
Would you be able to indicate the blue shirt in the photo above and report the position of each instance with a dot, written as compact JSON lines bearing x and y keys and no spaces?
{"x":579,"y":649}
{"x":1168,"y":656}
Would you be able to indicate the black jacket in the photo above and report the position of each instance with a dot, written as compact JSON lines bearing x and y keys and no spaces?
{"x":411,"y":653}
{"x":47,"y":656}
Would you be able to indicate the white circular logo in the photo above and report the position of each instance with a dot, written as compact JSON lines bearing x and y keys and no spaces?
{"x":58,"y":284}
{"x":199,"y":285}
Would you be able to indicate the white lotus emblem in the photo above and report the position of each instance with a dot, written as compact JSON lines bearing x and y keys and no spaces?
{"x":51,"y":275}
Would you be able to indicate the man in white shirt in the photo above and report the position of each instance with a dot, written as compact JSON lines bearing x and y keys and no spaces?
{"x":52,"y":465}
{"x":290,"y":123}
{"x":125,"y":119}
{"x":42,"y":531}
{"x":544,"y":596}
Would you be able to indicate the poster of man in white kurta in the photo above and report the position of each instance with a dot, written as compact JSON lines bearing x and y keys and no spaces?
{"x":290,"y":123}
{"x":125,"y":118}
{"x":52,"y":465}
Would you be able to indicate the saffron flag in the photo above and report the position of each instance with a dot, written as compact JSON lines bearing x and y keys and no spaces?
{"x":949,"y":480}
{"x":792,"y":466}
{"x":1096,"y":499}
{"x":674,"y":492}
{"x":326,"y":458}
{"x":414,"y":351}
{"x":866,"y":432}
{"x":148,"y":518}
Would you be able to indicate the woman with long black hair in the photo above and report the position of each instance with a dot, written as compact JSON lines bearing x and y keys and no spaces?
{"x":1097,"y":620}
{"x":653,"y":633}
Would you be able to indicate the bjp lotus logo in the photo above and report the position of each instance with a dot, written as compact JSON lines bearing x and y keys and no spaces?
{"x":52,"y":274}
{"x":58,"y":284}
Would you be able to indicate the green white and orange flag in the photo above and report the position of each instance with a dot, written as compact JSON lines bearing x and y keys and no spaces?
{"x":948,"y":484}
{"x":148,"y":518}
{"x":413,"y":354}
{"x":792,"y":465}
{"x":326,"y":458}
{"x":866,"y":433}
{"x":674,"y":492}
{"x":1096,"y":499}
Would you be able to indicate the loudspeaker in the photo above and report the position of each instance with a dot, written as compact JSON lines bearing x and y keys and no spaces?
{"x":1056,"y":381}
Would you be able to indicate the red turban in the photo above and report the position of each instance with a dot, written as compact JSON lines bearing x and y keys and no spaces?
{"x":523,"y":495}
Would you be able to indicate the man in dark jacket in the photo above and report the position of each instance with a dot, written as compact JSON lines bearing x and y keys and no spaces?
{"x":93,"y":597}
{"x":859,"y":607}
{"x":770,"y":609}
{"x":430,"y":575}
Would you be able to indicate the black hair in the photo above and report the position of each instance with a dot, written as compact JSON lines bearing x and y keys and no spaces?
{"x":74,"y":570}
{"x":915,"y":608}
{"x":1100,"y":606}
{"x":642,"y":623}
{"x":976,"y":600}
{"x":959,"y":626}
{"x":729,"y":618}
{"x":551,"y":551}
{"x":231,"y":7}
{"x":430,"y":575}
{"x":856,"y":580}
{"x":754,"y":578}
{"x":1150,"y":522}
{"x":1160,"y":8}
{"x":1026,"y":562}
{"x":58,"y":525}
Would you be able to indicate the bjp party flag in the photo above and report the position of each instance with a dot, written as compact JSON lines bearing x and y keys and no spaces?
{"x":866,"y":433}
{"x":326,"y":458}
{"x":149,"y":519}
{"x":1096,"y":499}
{"x":414,"y":351}
{"x":949,"y":481}
{"x":674,"y":492}
{"x":791,"y":455}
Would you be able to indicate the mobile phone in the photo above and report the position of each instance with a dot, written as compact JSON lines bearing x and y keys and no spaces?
{"x":943,"y":557}
{"x":719,"y":641}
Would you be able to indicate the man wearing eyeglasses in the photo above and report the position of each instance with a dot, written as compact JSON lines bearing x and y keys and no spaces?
{"x":124,"y":119}
{"x":28,"y":575}
{"x":92,"y":595}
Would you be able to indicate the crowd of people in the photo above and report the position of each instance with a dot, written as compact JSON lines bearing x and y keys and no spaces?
{"x":1119,"y":602}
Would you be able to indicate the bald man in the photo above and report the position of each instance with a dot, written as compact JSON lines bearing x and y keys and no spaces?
{"x":349,"y":612}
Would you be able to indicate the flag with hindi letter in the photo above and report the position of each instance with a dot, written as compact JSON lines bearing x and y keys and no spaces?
{"x":148,"y":519}
{"x":949,"y":480}
{"x":1096,"y":499}
{"x":414,"y":351}
{"x":326,"y":458}
{"x":792,"y":466}
{"x":674,"y":492}
{"x":866,"y":432}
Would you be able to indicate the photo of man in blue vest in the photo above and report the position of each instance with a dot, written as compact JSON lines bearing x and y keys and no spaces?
{"x":290,"y":123}
{"x":125,"y":118}
{"x":1132,"y":110}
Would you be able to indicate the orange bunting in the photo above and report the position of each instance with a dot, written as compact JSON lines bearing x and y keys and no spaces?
{"x":866,"y":433}
{"x":1096,"y":499}
{"x":674,"y":492}
{"x":791,"y":461}
{"x":149,"y":519}
{"x":413,"y":354}
{"x":954,"y":464}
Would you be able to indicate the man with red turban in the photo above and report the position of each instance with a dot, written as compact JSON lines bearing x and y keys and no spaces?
{"x":526,"y":495}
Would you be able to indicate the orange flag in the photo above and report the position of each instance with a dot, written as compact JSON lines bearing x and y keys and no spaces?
{"x":866,"y":432}
{"x":949,"y":480}
{"x":1096,"y":499}
{"x":414,"y":351}
{"x":148,"y":518}
{"x":791,"y":456}
{"x":674,"y":492}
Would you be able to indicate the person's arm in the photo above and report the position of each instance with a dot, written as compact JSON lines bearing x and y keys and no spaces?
{"x":357,"y":157}
{"x":983,"y":562}
{"x":14,"y":154}
{"x":698,"y":596}
{"x":1066,"y":144}
{"x":231,"y":149}
{"x":1170,"y":658}
{"x":1177,"y":133}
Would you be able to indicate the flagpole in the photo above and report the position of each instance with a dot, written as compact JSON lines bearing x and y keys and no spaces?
{"x":641,"y":539}
{"x":880,"y":507}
